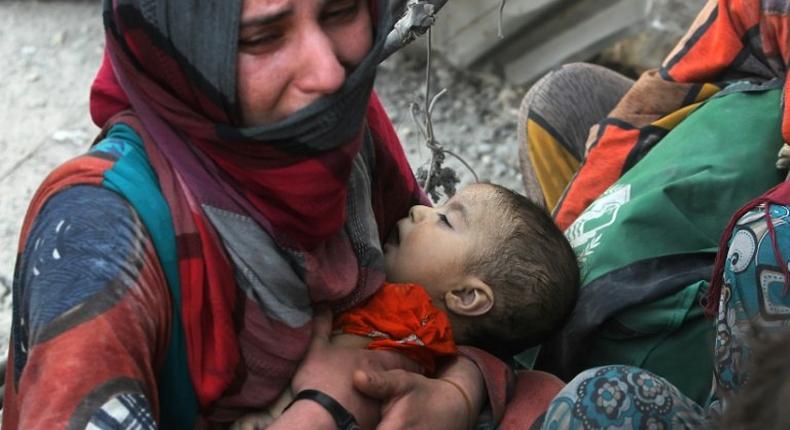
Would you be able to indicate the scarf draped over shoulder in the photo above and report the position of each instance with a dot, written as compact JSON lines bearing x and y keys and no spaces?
{"x":290,"y":185}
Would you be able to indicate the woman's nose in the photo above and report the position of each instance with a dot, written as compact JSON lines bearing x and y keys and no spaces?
{"x":321,"y":70}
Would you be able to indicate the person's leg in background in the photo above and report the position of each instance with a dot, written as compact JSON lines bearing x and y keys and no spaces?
{"x":554,"y":121}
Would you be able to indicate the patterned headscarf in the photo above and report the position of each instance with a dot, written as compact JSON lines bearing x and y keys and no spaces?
{"x":173,"y":64}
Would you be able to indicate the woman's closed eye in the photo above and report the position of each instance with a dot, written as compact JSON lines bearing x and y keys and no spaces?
{"x":260,"y":40}
{"x":340,"y":10}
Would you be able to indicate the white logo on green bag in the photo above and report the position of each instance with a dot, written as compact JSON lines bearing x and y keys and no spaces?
{"x":585,"y":233}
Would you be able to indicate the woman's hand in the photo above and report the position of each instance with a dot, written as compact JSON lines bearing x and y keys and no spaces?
{"x":412,"y":401}
{"x":329,"y":368}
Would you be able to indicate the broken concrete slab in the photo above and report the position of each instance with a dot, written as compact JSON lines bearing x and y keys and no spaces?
{"x":539,"y":34}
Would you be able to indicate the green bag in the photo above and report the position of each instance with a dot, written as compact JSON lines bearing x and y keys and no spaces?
{"x":647,"y":245}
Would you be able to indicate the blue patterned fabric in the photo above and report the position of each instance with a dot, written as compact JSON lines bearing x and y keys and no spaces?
{"x":59,"y":271}
{"x":621,"y":397}
{"x":753,"y":301}
{"x":83,"y":260}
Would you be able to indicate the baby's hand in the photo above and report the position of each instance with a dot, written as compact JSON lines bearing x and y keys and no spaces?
{"x":783,"y":162}
{"x":261,"y":420}
{"x":255,"y":421}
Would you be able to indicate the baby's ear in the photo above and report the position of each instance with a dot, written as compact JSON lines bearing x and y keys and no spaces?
{"x":472,"y":298}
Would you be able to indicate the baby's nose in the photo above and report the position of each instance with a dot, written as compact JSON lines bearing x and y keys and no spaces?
{"x":419,"y":213}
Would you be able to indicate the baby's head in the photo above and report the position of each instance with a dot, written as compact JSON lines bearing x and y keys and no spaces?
{"x":493,"y":260}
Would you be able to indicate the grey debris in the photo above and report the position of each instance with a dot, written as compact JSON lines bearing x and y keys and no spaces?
{"x":58,"y":39}
{"x":485,"y":148}
{"x":71,"y":136}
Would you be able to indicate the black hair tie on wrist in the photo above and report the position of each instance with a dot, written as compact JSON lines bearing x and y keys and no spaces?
{"x":342,"y":417}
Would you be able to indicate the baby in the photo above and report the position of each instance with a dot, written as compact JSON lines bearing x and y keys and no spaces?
{"x":488,"y":269}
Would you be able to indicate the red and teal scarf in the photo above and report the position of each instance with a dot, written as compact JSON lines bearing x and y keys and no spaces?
{"x":291,"y":178}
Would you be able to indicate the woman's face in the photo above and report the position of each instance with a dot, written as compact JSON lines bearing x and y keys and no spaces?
{"x":293,"y":52}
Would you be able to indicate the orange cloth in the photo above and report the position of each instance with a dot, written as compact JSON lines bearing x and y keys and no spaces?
{"x":401,"y":317}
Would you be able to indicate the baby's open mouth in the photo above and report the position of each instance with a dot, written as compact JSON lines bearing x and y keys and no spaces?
{"x":394,"y":237}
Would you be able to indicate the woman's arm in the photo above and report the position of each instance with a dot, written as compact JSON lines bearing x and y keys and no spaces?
{"x":453,"y":400}
{"x":411,"y":400}
{"x":329,"y":367}
{"x":91,"y":318}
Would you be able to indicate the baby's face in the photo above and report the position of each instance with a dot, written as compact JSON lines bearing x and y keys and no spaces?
{"x":432,"y":246}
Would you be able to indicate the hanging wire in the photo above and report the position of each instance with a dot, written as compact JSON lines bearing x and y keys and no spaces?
{"x":501,"y":14}
{"x":436,"y":174}
{"x":428,"y":123}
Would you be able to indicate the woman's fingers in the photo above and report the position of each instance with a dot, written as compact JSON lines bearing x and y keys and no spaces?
{"x":384,"y":385}
{"x":390,"y":360}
